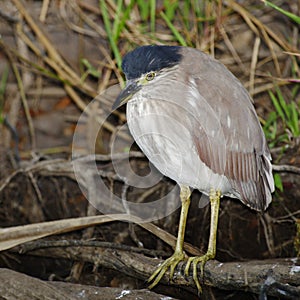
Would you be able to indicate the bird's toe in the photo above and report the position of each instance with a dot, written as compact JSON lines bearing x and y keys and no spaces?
{"x":169,"y":263}
{"x":194,"y":261}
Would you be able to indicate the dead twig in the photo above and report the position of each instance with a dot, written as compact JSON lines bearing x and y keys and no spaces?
{"x":13,"y":236}
{"x":42,"y":244}
{"x":44,"y":10}
{"x":253,"y":64}
{"x":286,"y":168}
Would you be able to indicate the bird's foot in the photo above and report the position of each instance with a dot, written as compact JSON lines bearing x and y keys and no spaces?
{"x":169,"y":263}
{"x":194,"y":261}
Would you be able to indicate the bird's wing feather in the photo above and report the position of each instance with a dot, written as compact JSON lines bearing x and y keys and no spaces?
{"x":227,"y":133}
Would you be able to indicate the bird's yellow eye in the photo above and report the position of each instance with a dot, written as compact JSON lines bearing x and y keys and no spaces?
{"x":150,"y":76}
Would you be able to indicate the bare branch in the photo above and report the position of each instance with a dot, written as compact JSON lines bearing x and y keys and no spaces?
{"x":267,"y":276}
{"x":286,"y":168}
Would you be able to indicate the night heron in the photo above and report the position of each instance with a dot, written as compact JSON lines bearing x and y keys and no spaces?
{"x":197,"y":125}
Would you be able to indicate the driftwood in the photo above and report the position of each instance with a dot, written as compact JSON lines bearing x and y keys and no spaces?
{"x":267,"y":277}
{"x":17,"y":286}
{"x":276,"y":277}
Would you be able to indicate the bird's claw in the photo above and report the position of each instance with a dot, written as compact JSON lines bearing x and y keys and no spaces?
{"x":169,"y":263}
{"x":194,"y":261}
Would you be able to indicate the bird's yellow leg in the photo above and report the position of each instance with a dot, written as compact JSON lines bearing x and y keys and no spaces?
{"x":214,"y":198}
{"x":178,"y":255}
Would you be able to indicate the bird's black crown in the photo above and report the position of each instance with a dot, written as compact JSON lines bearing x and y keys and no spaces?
{"x":150,"y":58}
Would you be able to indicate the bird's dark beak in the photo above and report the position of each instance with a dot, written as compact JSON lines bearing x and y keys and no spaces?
{"x":130,"y":89}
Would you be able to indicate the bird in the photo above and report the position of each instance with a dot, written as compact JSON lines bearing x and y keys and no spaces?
{"x":196,"y":123}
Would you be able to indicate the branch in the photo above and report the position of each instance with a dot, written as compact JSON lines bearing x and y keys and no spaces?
{"x":267,"y":276}
{"x":19,"y":286}
{"x":286,"y":168}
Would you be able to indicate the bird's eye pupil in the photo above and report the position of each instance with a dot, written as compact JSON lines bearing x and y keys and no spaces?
{"x":150,"y":76}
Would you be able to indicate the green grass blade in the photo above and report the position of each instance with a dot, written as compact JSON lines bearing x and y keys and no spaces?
{"x":123,"y":20}
{"x":109,"y":33}
{"x":274,"y":131}
{"x":170,"y":8}
{"x":270,"y":128}
{"x":277,"y":105}
{"x":152,"y":15}
{"x":292,"y":16}
{"x":294,"y":121}
{"x":283,"y":104}
{"x":176,"y":33}
{"x":3,"y":84}
{"x":90,"y":70}
{"x":144,"y":8}
{"x":278,"y":182}
{"x":117,"y":20}
{"x":185,"y":13}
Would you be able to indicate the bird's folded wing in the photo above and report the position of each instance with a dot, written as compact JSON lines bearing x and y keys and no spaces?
{"x":230,"y":141}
